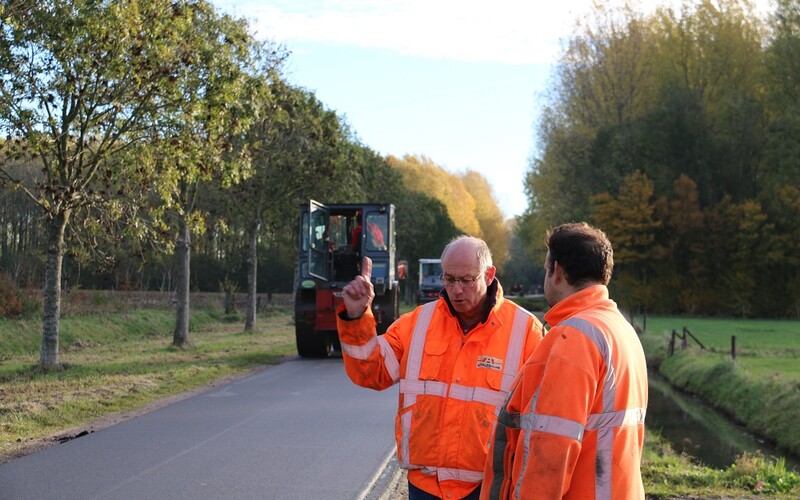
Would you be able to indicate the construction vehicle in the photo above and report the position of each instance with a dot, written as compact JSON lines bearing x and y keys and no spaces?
{"x":430,"y":281}
{"x":331,"y":245}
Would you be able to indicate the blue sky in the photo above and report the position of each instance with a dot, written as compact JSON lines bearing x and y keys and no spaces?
{"x":458,"y":81}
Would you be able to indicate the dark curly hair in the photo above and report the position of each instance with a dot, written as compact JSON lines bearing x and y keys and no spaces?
{"x":583,"y":252}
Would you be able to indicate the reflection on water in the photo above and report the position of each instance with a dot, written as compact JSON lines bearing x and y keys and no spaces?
{"x":698,"y":431}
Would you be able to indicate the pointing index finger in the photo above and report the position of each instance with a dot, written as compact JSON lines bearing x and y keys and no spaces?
{"x":366,"y":267}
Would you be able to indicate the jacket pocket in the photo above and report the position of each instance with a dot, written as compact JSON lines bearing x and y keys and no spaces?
{"x":494,"y":376}
{"x":432,"y":360}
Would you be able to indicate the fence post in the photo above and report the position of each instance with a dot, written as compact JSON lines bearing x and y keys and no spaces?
{"x":687,"y":332}
{"x":733,"y":347}
{"x":672,"y":343}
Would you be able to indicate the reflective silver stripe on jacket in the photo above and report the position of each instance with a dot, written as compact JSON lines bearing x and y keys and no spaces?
{"x":604,"y":423}
{"x":415,"y":350}
{"x":363,"y":352}
{"x":411,"y":386}
{"x":469,"y":476}
{"x":413,"y":364}
{"x":514,"y":351}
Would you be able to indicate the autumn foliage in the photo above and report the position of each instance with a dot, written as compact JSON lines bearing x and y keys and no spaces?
{"x":676,"y":131}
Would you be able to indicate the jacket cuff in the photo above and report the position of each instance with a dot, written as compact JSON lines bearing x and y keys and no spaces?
{"x":355,"y":330}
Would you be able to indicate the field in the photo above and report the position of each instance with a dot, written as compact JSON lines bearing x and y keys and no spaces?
{"x":764,"y":348}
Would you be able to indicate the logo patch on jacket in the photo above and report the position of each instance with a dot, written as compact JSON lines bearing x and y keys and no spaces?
{"x":490,"y":363}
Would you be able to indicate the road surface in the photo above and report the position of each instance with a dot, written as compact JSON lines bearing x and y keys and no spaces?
{"x":298,"y":430}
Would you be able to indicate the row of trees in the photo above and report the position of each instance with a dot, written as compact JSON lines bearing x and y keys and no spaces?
{"x":468,"y":198}
{"x":134,"y":135}
{"x":679,"y":133}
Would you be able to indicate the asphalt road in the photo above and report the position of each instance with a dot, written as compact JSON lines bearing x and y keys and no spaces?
{"x":298,"y":430}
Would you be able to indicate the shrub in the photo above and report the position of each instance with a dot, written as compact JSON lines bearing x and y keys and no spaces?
{"x":10,"y":302}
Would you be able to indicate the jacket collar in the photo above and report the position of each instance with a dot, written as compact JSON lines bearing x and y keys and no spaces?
{"x":572,"y":304}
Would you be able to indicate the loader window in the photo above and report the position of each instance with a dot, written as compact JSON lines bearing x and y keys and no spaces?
{"x":318,"y":244}
{"x":304,"y":233}
{"x":377,"y":229}
{"x":338,"y":232}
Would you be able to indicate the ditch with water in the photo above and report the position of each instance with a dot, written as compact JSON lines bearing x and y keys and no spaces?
{"x":703,"y":433}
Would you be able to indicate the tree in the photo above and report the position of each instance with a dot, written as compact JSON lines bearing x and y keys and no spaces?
{"x":196,"y":134}
{"x":782,"y":97}
{"x":490,"y":218}
{"x":421,"y":174}
{"x":521,"y":267}
{"x":708,"y":66}
{"x":783,"y":209}
{"x":588,"y":132}
{"x":21,"y":245}
{"x":681,"y":275}
{"x":298,"y":149}
{"x":81,"y":80}
{"x":630,"y":225}
{"x":746,"y":260}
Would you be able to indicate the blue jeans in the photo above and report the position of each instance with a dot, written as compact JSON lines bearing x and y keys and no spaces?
{"x":415,"y":493}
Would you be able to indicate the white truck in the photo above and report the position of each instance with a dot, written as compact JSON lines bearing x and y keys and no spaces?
{"x":430,"y":282}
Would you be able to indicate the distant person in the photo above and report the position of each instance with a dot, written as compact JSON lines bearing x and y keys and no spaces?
{"x":454,"y":359}
{"x":573,"y":426}
{"x":375,"y":236}
{"x":356,"y":236}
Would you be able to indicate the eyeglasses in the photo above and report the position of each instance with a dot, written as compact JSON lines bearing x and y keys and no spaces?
{"x":464,"y":282}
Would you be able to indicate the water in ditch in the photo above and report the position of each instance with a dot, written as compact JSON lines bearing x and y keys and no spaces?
{"x":701,"y":432}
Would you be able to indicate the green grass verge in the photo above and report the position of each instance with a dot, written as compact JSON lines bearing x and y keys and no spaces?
{"x":668,"y":475}
{"x":120,"y":362}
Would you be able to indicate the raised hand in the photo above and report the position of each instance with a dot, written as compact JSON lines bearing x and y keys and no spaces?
{"x":358,"y":294}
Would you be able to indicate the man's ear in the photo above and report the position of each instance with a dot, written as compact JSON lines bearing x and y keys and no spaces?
{"x":489,"y":274}
{"x":558,"y":273}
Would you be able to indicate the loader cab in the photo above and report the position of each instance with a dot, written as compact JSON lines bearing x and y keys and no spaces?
{"x":332,"y":240}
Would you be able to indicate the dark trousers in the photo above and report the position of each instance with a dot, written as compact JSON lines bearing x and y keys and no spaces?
{"x":415,"y":493}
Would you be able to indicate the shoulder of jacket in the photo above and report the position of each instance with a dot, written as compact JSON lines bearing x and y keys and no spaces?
{"x":511,"y":309}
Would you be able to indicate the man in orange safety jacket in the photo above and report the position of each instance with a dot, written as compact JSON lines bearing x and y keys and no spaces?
{"x":454,"y":359}
{"x":573,"y":426}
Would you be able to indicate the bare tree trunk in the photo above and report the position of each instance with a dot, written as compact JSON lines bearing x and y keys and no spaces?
{"x":48,"y":357}
{"x":252,"y":280}
{"x":180,"y":337}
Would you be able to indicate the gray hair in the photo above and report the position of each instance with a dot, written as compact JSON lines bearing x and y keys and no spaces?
{"x":481,"y":249}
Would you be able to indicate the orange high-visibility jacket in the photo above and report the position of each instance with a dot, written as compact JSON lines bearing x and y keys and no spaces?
{"x":573,"y":426}
{"x":452,"y":385}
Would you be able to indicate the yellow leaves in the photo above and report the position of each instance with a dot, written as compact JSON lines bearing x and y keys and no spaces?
{"x":421,"y":174}
{"x":490,"y":218}
{"x":628,"y":219}
{"x":196,"y":221}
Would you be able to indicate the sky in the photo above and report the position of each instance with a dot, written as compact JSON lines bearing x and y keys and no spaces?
{"x":460,"y":82}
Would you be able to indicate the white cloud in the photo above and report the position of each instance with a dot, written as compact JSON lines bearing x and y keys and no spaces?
{"x":507,"y":31}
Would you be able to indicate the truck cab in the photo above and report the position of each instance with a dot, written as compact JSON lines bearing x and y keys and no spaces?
{"x":332,"y":240}
{"x":430,"y":281}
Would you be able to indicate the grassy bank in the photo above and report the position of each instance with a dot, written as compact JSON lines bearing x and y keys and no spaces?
{"x":121,"y":361}
{"x":759,"y":389}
